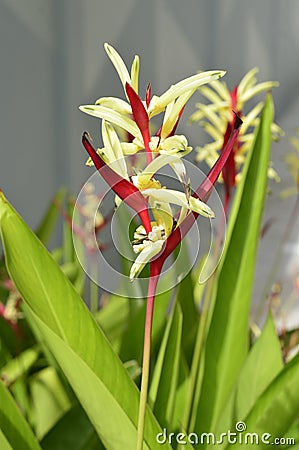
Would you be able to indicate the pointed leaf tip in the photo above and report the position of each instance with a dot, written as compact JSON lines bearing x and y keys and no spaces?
{"x":238,"y":121}
{"x":148,"y":94}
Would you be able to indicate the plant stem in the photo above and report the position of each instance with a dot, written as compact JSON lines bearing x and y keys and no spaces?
{"x":94,"y":291}
{"x":203,"y":326}
{"x":197,"y":354}
{"x":154,"y":276}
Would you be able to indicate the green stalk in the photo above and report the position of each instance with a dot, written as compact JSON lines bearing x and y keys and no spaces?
{"x":94,"y":290}
{"x":154,"y":276}
{"x":203,"y":326}
{"x":197,"y":354}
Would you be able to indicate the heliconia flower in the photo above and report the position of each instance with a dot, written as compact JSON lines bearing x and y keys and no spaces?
{"x":134,"y":116}
{"x":217,"y":118}
{"x":143,"y":191}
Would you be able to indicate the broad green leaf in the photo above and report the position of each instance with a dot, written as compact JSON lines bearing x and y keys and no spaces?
{"x":277,"y":408}
{"x":292,"y":436}
{"x":181,"y":392}
{"x":263,"y":364}
{"x":49,"y":400}
{"x":108,"y":395}
{"x":4,"y":444}
{"x":180,"y":440}
{"x":19,"y":366}
{"x":48,"y":222}
{"x":228,"y":338}
{"x":21,"y":395}
{"x":164,"y":383}
{"x":13,"y":425}
{"x":112,"y":318}
{"x":72,"y":432}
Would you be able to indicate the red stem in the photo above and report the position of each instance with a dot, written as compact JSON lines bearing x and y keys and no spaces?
{"x":155,"y":270}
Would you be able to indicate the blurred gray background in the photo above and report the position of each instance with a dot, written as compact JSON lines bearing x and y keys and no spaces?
{"x":52,"y":60}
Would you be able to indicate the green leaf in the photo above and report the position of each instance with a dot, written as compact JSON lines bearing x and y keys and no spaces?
{"x":112,"y":317}
{"x":181,"y":393}
{"x":292,"y":433}
{"x":72,"y":432}
{"x":263,"y":364}
{"x":49,"y":400}
{"x":277,"y":408}
{"x":228,"y":338}
{"x":101,"y":383}
{"x":19,"y":366}
{"x":8,"y":341}
{"x":21,"y":395}
{"x":48,"y":222}
{"x":4,"y":444}
{"x":164,"y":383}
{"x":15,"y":429}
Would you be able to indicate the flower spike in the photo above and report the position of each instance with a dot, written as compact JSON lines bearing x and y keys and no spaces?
{"x":142,"y":190}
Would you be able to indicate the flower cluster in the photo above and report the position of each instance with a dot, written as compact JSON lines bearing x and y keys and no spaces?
{"x":217,"y":118}
{"x":144,"y":191}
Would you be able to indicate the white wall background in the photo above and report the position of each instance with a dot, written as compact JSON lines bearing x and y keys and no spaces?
{"x":52,"y":60}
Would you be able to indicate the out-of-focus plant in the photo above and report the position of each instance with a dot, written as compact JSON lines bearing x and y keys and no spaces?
{"x":207,"y":376}
{"x":281,"y":288}
{"x":217,"y":117}
{"x":292,"y":161}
